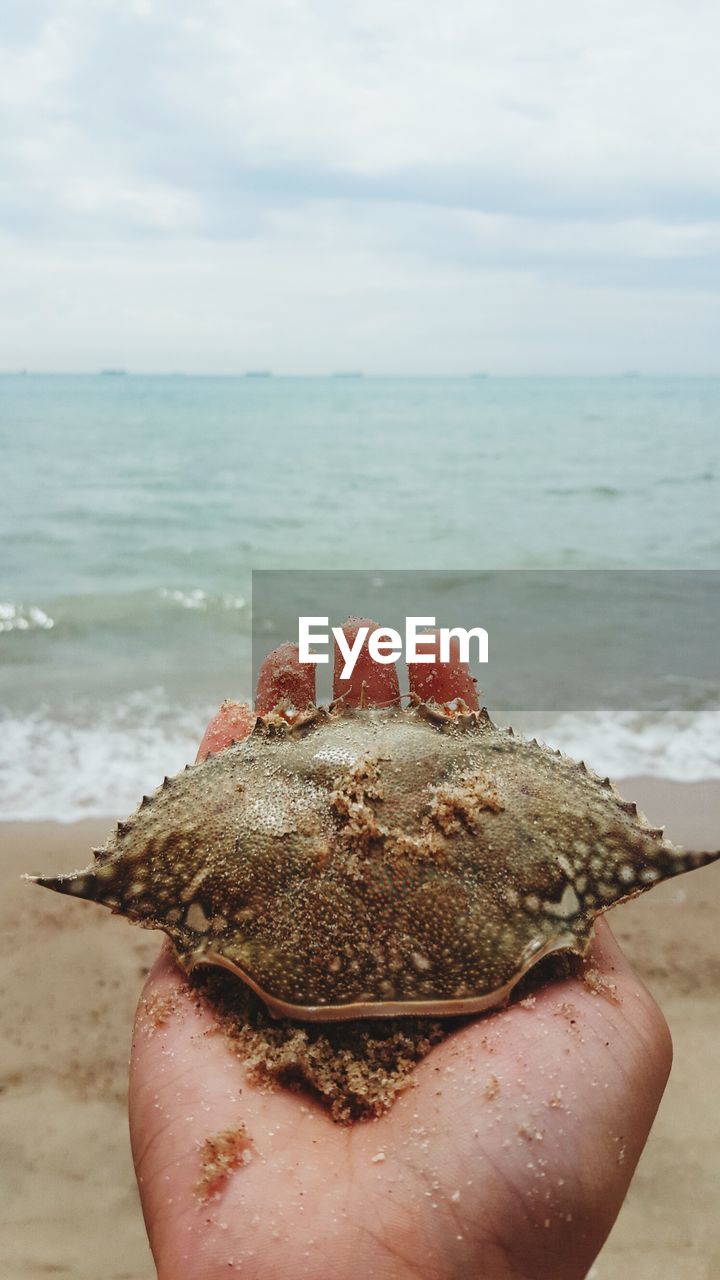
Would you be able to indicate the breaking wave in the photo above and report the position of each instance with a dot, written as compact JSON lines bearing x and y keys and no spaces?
{"x":52,"y":769}
{"x":682,"y":746}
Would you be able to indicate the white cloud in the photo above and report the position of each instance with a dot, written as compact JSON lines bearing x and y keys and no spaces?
{"x":388,"y":183}
{"x":224,"y":306}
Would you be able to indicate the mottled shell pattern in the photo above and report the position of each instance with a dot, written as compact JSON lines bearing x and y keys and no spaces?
{"x":372,"y":862}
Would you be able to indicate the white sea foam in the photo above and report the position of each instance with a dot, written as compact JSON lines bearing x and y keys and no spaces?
{"x":680,"y":745}
{"x":199,"y":599}
{"x":23,"y":617}
{"x":50,"y":769}
{"x":195,"y":599}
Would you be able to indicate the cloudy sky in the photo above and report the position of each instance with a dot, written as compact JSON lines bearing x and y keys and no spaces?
{"x":393,"y":185}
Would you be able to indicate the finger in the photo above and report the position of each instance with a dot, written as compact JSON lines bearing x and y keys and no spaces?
{"x":233,"y":722}
{"x":283,"y":676}
{"x":442,"y":682}
{"x":371,"y":684}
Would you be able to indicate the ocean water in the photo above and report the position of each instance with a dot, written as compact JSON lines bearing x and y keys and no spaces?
{"x":135,"y":508}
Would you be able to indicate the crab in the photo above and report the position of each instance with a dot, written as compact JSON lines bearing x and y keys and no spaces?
{"x":351,"y":862}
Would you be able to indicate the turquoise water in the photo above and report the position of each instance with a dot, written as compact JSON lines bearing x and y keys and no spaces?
{"x":134,"y":509}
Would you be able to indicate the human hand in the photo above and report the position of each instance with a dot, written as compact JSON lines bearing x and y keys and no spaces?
{"x":510,"y":1157}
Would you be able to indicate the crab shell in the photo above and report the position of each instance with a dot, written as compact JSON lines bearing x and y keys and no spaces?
{"x":369,"y":863}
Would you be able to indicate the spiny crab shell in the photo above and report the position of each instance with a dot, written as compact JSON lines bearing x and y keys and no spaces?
{"x":375,"y":862}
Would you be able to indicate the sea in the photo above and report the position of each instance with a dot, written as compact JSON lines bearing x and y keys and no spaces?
{"x":135,"y":508}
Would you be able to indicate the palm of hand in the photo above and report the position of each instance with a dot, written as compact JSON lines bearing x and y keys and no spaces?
{"x":509,"y":1157}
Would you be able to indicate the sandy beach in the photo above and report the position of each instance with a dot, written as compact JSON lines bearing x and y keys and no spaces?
{"x":69,"y":1204}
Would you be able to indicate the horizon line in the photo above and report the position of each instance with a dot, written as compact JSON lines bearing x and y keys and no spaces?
{"x":252,"y":375}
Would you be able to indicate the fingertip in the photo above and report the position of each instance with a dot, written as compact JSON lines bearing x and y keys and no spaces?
{"x":442,"y":682}
{"x":233,"y":722}
{"x":283,"y":676}
{"x":371,"y":683}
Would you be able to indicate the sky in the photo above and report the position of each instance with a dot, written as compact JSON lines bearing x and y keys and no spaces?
{"x":400,"y":186}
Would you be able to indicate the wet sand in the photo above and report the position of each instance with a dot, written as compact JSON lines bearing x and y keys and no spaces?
{"x":69,"y":1208}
